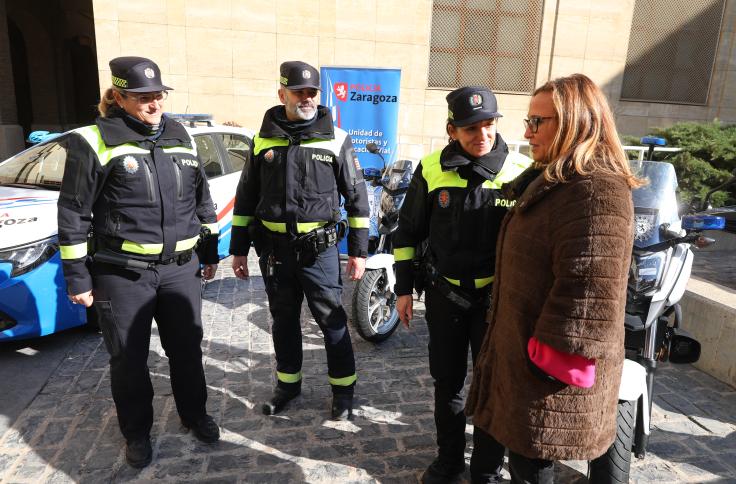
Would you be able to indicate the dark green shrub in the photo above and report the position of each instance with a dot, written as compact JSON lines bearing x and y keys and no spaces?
{"x":708,"y":158}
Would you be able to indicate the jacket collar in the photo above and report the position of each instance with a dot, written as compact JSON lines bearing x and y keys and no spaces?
{"x":528,"y":188}
{"x":487,"y":166}
{"x":276,"y":125}
{"x":115,"y":131}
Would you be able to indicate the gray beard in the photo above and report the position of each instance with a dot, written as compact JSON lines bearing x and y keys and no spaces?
{"x":304,"y":115}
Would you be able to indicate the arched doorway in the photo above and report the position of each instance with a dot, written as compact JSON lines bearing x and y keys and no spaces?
{"x":53,"y":52}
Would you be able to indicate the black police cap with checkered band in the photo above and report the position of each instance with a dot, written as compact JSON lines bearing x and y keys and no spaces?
{"x":136,"y":74}
{"x":299,"y":75}
{"x":471,"y":104}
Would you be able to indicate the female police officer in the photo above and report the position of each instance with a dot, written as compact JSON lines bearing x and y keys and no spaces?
{"x":134,"y":179}
{"x":454,"y":200}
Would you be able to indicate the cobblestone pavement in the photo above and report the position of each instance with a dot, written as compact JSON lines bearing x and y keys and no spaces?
{"x":69,"y":432}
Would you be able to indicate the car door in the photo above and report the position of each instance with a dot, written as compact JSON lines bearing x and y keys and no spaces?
{"x":223,"y":155}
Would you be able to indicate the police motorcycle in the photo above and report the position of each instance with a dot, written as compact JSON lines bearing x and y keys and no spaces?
{"x":374,"y":301}
{"x":660,"y":268}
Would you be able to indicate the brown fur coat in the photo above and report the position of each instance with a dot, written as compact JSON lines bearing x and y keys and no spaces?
{"x":563,"y":256}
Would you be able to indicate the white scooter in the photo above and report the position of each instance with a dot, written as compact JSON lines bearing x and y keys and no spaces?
{"x":660,"y":268}
{"x":374,"y":301}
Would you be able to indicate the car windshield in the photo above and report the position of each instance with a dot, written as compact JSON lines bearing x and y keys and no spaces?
{"x":41,"y":165}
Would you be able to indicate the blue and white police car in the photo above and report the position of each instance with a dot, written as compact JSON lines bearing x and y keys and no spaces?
{"x":33,"y":299}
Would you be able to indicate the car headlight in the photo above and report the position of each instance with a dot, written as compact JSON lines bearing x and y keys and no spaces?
{"x":27,"y":257}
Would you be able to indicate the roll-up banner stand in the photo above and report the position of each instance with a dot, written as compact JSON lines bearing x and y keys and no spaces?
{"x":364,"y":102}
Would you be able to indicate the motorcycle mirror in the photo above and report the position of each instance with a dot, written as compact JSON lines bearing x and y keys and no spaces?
{"x":373,"y":148}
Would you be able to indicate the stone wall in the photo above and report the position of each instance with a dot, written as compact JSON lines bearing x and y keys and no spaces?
{"x":222,"y":56}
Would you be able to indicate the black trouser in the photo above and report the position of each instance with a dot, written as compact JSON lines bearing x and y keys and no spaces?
{"x":126,"y":302}
{"x":286,"y":286}
{"x":451,"y":330}
{"x":525,"y":470}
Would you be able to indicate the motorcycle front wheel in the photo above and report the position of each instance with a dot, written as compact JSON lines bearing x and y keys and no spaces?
{"x":374,"y":307}
{"x":615,"y":464}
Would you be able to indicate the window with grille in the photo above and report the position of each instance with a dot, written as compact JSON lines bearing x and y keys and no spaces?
{"x":672,"y":50}
{"x":494,"y":43}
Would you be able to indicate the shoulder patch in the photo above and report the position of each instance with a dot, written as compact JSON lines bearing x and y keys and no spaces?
{"x":443,"y":199}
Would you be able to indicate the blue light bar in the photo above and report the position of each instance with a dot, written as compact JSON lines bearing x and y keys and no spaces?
{"x":190,"y":117}
{"x":653,"y":141}
{"x":703,"y":222}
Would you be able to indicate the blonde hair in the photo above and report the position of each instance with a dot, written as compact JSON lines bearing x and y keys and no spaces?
{"x":586,"y":140}
{"x":106,"y":102}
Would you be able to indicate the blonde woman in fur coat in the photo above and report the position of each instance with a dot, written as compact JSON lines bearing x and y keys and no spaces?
{"x":546,"y":381}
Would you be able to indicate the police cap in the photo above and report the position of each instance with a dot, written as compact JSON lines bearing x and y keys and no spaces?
{"x":298,"y":75}
{"x":136,"y":74}
{"x":470,"y":104}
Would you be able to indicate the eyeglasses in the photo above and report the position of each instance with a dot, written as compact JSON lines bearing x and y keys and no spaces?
{"x":147,"y":97}
{"x":534,"y":121}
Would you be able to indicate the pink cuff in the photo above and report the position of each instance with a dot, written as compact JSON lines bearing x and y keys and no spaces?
{"x":569,"y":368}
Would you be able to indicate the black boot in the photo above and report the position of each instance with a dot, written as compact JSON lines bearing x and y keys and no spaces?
{"x":138,"y":452}
{"x":342,"y":406}
{"x":279,"y":400}
{"x":205,"y":429}
{"x":443,"y":472}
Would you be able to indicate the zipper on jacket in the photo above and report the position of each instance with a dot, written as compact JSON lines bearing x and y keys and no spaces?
{"x":116,"y":222}
{"x":177,"y":170}
{"x":149,"y":179}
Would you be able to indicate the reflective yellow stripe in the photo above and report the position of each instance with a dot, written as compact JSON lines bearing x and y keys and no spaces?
{"x":404,"y":253}
{"x":242,"y":220}
{"x":305,"y":227}
{"x":514,"y":164}
{"x":344,"y":381}
{"x":126,"y":149}
{"x":186,"y":244}
{"x":213,"y":228}
{"x":145,"y":249}
{"x":92,"y":136}
{"x":275,"y":226}
{"x":483,"y":282}
{"x":436,"y":178}
{"x":181,"y":149}
{"x":260,"y":144}
{"x":289,"y":377}
{"x":358,"y":222}
{"x":73,"y":251}
{"x":301,"y":228}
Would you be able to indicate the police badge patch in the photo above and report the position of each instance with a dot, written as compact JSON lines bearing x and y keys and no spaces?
{"x":130,"y":164}
{"x":268,"y":156}
{"x":443,"y":199}
{"x":148,"y":72}
{"x":306,"y":74}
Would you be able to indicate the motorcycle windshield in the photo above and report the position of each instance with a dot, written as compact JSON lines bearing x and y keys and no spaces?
{"x":655,"y":204}
{"x":399,"y":175}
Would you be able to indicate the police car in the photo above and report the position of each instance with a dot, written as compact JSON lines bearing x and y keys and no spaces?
{"x":33,"y":300}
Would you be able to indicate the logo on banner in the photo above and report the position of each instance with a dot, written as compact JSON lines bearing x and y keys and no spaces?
{"x":341,"y":90}
{"x":476,"y":100}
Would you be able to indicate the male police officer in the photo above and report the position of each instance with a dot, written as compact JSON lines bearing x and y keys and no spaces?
{"x":287,"y":204}
{"x":134,"y":176}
